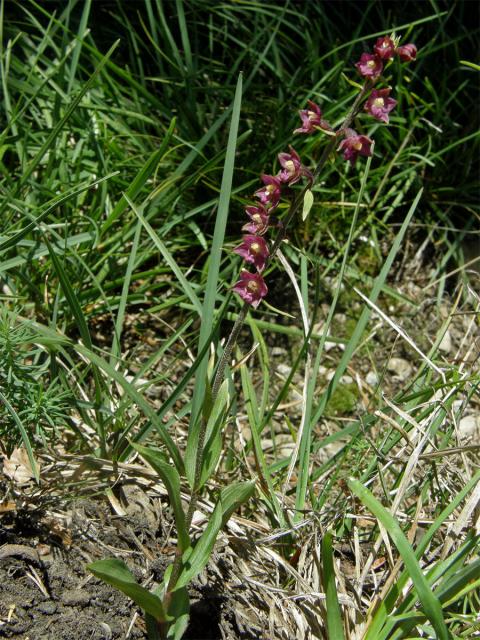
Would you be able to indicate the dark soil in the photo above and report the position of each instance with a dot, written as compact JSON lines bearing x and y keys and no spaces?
{"x":46,"y":593}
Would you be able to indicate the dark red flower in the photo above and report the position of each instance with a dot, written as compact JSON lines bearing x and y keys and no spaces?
{"x":251,"y":287}
{"x":253,"y":249}
{"x":407,"y":52}
{"x":312,"y":119}
{"x":384,"y":48}
{"x":353,"y":145}
{"x":292,"y":168}
{"x":370,"y":66}
{"x":270,"y":193}
{"x":260,"y":219}
{"x":379,"y":104}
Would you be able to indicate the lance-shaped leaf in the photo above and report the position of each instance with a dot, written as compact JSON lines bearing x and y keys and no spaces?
{"x":213,"y":435}
{"x":171,"y":480}
{"x":307,"y":203}
{"x":115,"y":572}
{"x":194,"y":560}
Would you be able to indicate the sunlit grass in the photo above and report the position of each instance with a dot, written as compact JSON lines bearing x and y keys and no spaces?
{"x":114,"y":141}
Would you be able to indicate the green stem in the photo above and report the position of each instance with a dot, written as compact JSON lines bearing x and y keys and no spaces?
{"x":177,"y":563}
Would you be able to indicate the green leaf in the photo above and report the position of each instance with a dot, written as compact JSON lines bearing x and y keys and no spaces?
{"x":49,"y":140}
{"x":140,"y":179}
{"x":115,"y":572}
{"x":213,"y":439}
{"x":169,"y":259}
{"x":304,"y":463}
{"x":208,"y":309}
{"x":207,"y":405}
{"x":307,"y":203}
{"x":70,"y":296}
{"x":384,"y":610}
{"x":171,"y":479}
{"x":233,"y":497}
{"x":430,"y":604}
{"x":196,"y":559}
{"x":213,"y":435}
{"x":334,"y":616}
{"x":472,"y":65}
{"x":179,"y":609}
{"x":54,"y":204}
{"x":256,"y":430}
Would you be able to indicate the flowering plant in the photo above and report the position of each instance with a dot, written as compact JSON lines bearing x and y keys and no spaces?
{"x":167,"y":605}
{"x":254,"y":249}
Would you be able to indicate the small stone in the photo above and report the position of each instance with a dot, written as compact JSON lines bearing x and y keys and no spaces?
{"x":400,"y":367}
{"x":198,"y":518}
{"x":469,"y":427}
{"x":328,"y":346}
{"x":446,"y":342}
{"x":76,"y":598}
{"x":371,"y":378}
{"x":48,"y":607}
{"x":457,"y":405}
{"x":284,"y":369}
{"x":319,"y":329}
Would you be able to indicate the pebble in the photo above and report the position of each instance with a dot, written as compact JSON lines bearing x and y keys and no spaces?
{"x":76,"y":598}
{"x":344,"y":379}
{"x":469,"y":427}
{"x":371,"y":378}
{"x":328,"y":346}
{"x":284,"y":369}
{"x":446,"y":342}
{"x":400,"y":367}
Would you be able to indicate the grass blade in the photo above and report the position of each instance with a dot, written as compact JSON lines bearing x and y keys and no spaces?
{"x":334,"y":616}
{"x":140,"y":179}
{"x":430,"y":603}
{"x":61,"y":123}
{"x":169,"y":259}
{"x":208,"y":309}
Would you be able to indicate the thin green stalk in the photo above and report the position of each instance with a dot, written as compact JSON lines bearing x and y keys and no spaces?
{"x":293,"y":210}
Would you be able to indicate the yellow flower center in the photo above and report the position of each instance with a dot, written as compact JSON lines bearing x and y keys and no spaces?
{"x":252,"y":286}
{"x":290,"y":167}
{"x":269,"y":188}
{"x":379,"y":102}
{"x":257,"y":218}
{"x":255,"y":247}
{"x":357,"y":146}
{"x":371,"y":64}
{"x":311,"y":115}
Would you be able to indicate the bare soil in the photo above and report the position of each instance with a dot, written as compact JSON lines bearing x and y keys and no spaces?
{"x":46,"y":593}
